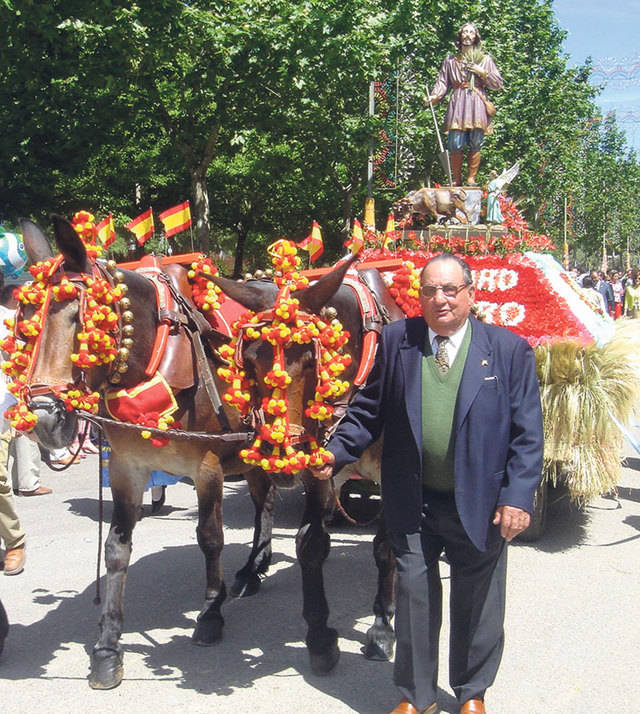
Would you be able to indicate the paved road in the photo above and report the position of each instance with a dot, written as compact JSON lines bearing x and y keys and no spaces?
{"x":572,"y":625}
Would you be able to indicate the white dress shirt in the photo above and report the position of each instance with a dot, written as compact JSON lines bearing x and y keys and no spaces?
{"x":453,"y":345}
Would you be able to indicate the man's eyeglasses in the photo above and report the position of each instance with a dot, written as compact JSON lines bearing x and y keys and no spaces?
{"x":449,"y":290}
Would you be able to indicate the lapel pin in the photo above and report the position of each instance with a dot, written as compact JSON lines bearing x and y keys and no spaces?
{"x":484,"y":363}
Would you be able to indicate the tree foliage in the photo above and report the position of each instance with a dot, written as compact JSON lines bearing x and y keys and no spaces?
{"x":256,"y":110}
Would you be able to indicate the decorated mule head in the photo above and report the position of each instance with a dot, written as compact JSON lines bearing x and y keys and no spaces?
{"x":287,"y":356}
{"x":64,"y":337}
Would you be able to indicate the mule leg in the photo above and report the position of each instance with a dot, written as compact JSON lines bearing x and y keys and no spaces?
{"x":380,"y":636}
{"x":262,"y":490}
{"x":106,"y":658}
{"x":209,"y":486}
{"x":312,"y":549}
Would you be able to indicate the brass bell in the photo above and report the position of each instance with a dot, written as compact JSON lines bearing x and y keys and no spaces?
{"x":127,"y":316}
{"x":125,"y":303}
{"x":127,"y":342}
{"x":259,"y":274}
{"x":118,"y":276}
{"x":248,"y":276}
{"x":330,"y":313}
{"x":128,"y":330}
{"x":124,"y":288}
{"x":269,"y":273}
{"x":123,"y":354}
{"x":122,"y":368}
{"x":111,"y":265}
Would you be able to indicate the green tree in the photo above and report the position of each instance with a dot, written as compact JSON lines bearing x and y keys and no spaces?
{"x":257,"y":110}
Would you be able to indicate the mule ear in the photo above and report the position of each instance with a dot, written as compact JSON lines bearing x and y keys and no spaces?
{"x":71,"y":246}
{"x":249,"y":296}
{"x":35,"y":241}
{"x":316,"y":296}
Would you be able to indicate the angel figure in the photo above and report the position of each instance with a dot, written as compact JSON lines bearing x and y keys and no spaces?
{"x":494,"y":189}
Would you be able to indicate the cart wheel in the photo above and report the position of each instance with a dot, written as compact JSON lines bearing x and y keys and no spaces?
{"x":539,"y":517}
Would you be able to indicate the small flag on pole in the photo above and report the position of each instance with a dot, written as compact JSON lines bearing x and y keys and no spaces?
{"x":142,"y":227}
{"x":106,"y":231}
{"x":176,"y":219}
{"x":390,"y":232}
{"x":356,"y":242}
{"x":313,"y":243}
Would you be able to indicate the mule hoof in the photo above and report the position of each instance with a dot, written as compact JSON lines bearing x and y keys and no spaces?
{"x":106,"y":669}
{"x":379,"y":644}
{"x":324,"y":652}
{"x":245,"y":586}
{"x":207,"y":632}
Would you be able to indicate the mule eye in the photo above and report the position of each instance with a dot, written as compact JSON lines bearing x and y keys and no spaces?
{"x":308,"y":361}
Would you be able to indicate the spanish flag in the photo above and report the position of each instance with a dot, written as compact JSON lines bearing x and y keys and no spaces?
{"x":142,"y":226}
{"x":313,"y":243}
{"x":176,"y":219}
{"x":356,"y":242}
{"x":106,"y":231}
{"x":390,"y":236}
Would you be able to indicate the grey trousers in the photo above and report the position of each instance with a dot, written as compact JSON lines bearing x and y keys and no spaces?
{"x":477,"y":606}
{"x":10,"y":531}
{"x":25,"y":469}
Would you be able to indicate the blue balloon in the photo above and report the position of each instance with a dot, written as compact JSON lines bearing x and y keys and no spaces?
{"x":13,"y":256}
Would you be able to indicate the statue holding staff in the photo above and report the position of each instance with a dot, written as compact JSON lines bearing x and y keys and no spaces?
{"x":468,"y":74}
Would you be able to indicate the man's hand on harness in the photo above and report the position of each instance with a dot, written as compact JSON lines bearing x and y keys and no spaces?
{"x":324,"y":473}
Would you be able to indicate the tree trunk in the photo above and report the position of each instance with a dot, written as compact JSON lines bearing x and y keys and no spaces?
{"x":242,"y":239}
{"x":347,"y":206}
{"x":200,"y":195}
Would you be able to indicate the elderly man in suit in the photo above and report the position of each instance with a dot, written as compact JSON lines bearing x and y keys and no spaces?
{"x":460,"y":407}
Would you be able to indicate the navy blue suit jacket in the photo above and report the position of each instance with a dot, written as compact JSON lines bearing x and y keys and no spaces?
{"x":497,"y":422}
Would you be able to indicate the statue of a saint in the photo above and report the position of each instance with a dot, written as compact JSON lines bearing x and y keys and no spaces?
{"x":468,"y":74}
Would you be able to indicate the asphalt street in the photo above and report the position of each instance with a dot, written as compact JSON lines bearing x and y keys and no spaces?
{"x":572,"y":602}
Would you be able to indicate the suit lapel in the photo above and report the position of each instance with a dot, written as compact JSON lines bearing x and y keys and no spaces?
{"x":477,"y":367}
{"x":411,"y":349}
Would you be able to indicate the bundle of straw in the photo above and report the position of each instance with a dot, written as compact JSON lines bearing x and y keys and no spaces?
{"x":582,"y":389}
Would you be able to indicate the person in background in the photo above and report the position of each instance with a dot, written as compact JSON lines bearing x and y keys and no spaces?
{"x":594,"y":295}
{"x":632,"y":296}
{"x":11,"y":532}
{"x":4,"y":626}
{"x":604,"y":288}
{"x":25,"y":467}
{"x":618,"y":293}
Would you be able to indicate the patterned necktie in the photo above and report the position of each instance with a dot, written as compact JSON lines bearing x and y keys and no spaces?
{"x":441,"y":356}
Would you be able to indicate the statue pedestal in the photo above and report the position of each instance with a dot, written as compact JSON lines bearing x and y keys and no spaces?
{"x":452,"y":230}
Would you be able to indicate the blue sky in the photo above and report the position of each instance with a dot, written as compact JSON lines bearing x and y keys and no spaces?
{"x":608,"y":33}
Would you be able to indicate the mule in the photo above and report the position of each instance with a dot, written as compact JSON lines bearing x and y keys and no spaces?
{"x":133,"y":458}
{"x":312,"y":539}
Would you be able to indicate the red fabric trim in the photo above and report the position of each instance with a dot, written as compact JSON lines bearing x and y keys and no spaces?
{"x":152,"y":397}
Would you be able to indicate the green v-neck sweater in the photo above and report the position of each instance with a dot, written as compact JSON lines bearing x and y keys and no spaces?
{"x":439,"y":395}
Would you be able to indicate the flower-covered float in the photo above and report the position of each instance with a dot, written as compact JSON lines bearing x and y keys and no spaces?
{"x":587,"y":363}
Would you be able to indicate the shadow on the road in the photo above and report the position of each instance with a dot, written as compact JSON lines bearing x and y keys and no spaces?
{"x":631,"y":462}
{"x":566,"y":526}
{"x":238,"y":510}
{"x":89,"y":508}
{"x":629,"y":494}
{"x":633,"y":521}
{"x":263,"y":635}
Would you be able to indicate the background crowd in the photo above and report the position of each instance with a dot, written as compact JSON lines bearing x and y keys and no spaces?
{"x":616,"y":293}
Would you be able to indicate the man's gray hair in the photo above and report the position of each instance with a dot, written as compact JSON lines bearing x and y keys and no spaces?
{"x":466,"y":270}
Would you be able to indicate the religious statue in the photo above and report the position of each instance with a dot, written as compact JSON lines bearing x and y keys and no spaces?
{"x":468,"y":74}
{"x":494,"y":189}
